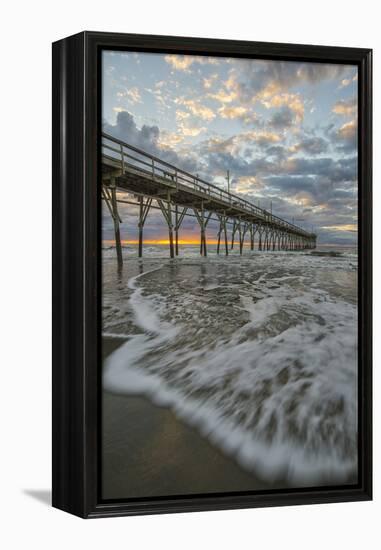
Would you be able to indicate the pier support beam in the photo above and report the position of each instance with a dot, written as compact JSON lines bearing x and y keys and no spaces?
{"x":203,"y":223}
{"x":116,"y":220}
{"x":235,"y":227}
{"x":260,"y":233}
{"x":226,"y":238}
{"x":267,"y":239}
{"x":239,"y":228}
{"x":242,"y":233}
{"x":178,"y":222}
{"x":170,"y":227}
{"x":203,"y":250}
{"x":140,"y":225}
{"x":176,"y":230}
{"x":252,"y":233}
{"x":143,"y":212}
{"x":223,"y":221}
{"x":167,"y":213}
{"x":219,"y":238}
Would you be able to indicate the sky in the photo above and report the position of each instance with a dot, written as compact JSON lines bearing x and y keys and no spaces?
{"x":286,"y":131}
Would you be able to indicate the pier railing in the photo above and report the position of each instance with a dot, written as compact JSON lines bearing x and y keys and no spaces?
{"x":131,"y":157}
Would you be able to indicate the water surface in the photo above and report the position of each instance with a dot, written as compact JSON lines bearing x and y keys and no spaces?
{"x":258,"y":352}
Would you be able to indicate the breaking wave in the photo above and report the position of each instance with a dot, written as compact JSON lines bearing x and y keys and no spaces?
{"x":258,"y":353}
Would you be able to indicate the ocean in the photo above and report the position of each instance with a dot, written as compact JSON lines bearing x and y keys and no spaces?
{"x":258,"y":352}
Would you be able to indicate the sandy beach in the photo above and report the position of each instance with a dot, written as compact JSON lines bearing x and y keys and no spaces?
{"x":148,"y":451}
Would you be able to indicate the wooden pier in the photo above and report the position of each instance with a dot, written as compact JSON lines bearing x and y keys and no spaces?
{"x":156,"y":184}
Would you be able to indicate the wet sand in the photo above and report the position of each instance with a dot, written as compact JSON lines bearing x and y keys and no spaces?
{"x":149,"y":452}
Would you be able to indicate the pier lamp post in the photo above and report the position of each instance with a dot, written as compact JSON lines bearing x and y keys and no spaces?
{"x":228,"y":179}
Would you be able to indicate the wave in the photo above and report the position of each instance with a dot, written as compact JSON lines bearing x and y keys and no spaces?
{"x":261,"y":362}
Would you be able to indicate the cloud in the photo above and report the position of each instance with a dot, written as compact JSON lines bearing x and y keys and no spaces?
{"x":125,"y":129}
{"x":284,"y":118}
{"x":208,"y":82}
{"x":235,"y":112}
{"x":182,"y":115}
{"x":347,"y":137}
{"x":232,"y":112}
{"x":150,"y":140}
{"x":223,"y":96}
{"x":217,"y":144}
{"x":132,"y":95}
{"x":342,"y":227}
{"x":195,"y":107}
{"x":263,"y":138}
{"x":179,"y":62}
{"x":168,"y":140}
{"x":344,"y":138}
{"x":239,"y":144}
{"x":311,"y":145}
{"x":290,"y":183}
{"x":291,"y":101}
{"x":348,"y":130}
{"x":259,"y":80}
{"x":313,"y":73}
{"x":192,"y":131}
{"x":183,"y":62}
{"x":158,"y":94}
{"x":247,"y":184}
{"x":345,"y":107}
{"x":185,"y":126}
{"x":277,"y":151}
{"x":343,"y":169}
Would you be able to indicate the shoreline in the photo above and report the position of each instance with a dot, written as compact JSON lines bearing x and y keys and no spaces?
{"x":148,"y":452}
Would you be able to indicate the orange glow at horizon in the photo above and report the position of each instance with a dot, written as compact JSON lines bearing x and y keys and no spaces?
{"x":162,"y":241}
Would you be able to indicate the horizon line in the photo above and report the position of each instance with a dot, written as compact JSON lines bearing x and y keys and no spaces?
{"x":165,"y":242}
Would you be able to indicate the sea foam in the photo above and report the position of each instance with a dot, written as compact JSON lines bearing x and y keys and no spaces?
{"x":259,"y":354}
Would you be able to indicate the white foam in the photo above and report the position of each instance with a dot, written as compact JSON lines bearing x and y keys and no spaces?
{"x":116,"y":335}
{"x":146,"y":316}
{"x":293,"y":364}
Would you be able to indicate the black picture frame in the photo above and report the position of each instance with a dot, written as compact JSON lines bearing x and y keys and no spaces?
{"x":76,"y":273}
